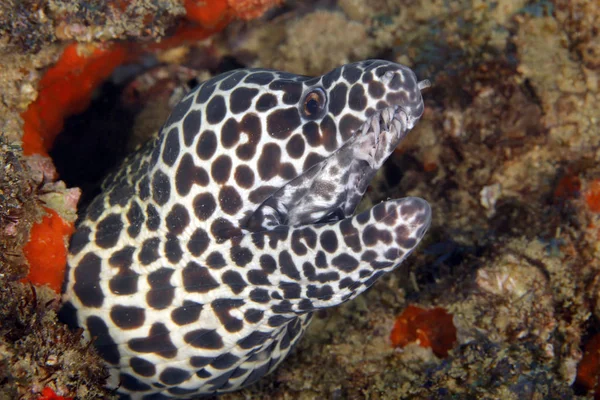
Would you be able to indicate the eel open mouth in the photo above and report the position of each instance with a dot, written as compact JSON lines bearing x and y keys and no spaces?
{"x":331,"y":189}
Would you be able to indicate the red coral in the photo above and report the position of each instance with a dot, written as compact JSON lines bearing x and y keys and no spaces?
{"x":250,"y":9}
{"x":588,"y":371}
{"x":428,"y":328}
{"x":66,"y":89}
{"x":48,"y":394}
{"x":592,"y":196}
{"x":46,"y":250}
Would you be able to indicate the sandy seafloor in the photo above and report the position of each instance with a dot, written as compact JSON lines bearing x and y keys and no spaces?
{"x":507,"y":154}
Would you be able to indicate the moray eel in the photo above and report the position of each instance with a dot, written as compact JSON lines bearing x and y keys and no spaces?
{"x":201,"y":263}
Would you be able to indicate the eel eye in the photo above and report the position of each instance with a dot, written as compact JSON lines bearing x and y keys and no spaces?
{"x":314,"y":103}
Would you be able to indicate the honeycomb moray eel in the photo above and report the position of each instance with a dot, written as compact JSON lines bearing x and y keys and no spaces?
{"x":201,"y":263}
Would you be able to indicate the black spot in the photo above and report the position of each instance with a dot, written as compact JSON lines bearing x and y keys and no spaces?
{"x":158,"y":341}
{"x":371,"y":235}
{"x":144,"y":188}
{"x":198,"y":279}
{"x":153,"y":221}
{"x":80,"y":239}
{"x":108,"y":231}
{"x":204,"y":374}
{"x":231,"y":81}
{"x":295,"y":146}
{"x":222,"y":230}
{"x":331,"y":77}
{"x":376,"y":89}
{"x":282,"y":307}
{"x":189,"y":174}
{"x":173,"y":376}
{"x":161,"y":188}
{"x":222,"y":308}
{"x":321,"y":260}
{"x":161,"y":291}
{"x":191,"y":126}
{"x":357,"y":99}
{"x":351,"y":73}
{"x":178,"y":391}
{"x":198,"y":242}
{"x":149,"y":252}
{"x":179,"y":111}
{"x":234,"y":280}
{"x":254,"y":339}
{"x":240,"y":99}
{"x":215,"y":260}
{"x":291,"y":290}
{"x":87,"y":281}
{"x":251,"y":125}
{"x":131,"y":383}
{"x":105,"y":345}
{"x":96,"y":208}
{"x":287,"y":171}
{"x":282,"y":123}
{"x":351,"y":235}
{"x":142,"y":367}
{"x":121,"y":193}
{"x":329,"y":133}
{"x":277,"y":320}
{"x":260,"y":296}
{"x":398,"y":81}
{"x":224,"y":361}
{"x":253,"y":315}
{"x":204,"y":339}
{"x":199,"y":362}
{"x":349,"y":124}
{"x":345,"y":262}
{"x":268,"y":163}
{"x":306,"y":305}
{"x":206,"y":90}
{"x":204,"y":206}
{"x":241,"y":256}
{"x":337,"y":98}
{"x":188,"y":313}
{"x":221,"y":169}
{"x":292,"y":90}
{"x":287,"y":265}
{"x":310,"y":130}
{"x":257,"y":196}
{"x":311,"y":160}
{"x":259,"y":78}
{"x":230,"y":133}
{"x":135,"y":217}
{"x":128,"y":317}
{"x":268,"y":263}
{"x":265,"y":102}
{"x":178,"y":219}
{"x":244,"y":176}
{"x":207,"y":145}
{"x":323,"y":293}
{"x":258,"y":277}
{"x":216,"y":109}
{"x":329,"y":241}
{"x":171,"y":147}
{"x":230,"y":200}
{"x":403,"y":238}
{"x":124,"y":283}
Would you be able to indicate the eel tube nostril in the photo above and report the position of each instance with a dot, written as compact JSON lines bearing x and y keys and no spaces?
{"x":424,"y":84}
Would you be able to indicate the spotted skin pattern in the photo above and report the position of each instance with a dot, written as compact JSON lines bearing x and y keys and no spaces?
{"x":200,"y":265}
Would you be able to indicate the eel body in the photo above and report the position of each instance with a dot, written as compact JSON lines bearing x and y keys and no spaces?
{"x":201,"y":263}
